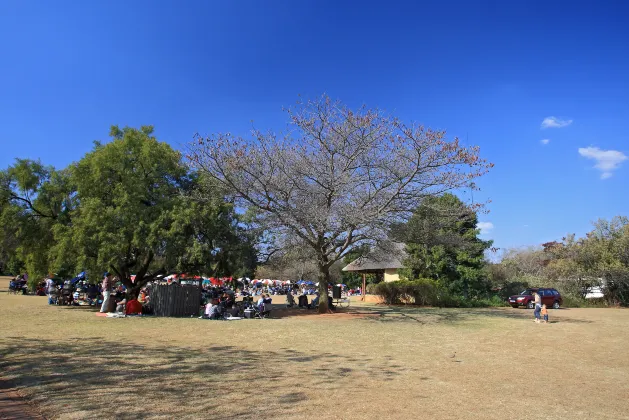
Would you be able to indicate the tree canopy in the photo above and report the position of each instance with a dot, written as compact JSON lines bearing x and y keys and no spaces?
{"x":338,"y":178}
{"x":33,"y":199}
{"x":126,"y":207}
{"x":442,"y":243}
{"x":573,"y":265}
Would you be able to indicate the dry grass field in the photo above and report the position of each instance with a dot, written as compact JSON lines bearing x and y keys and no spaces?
{"x":379,"y":363}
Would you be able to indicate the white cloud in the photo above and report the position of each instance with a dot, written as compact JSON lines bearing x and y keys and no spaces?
{"x":554,"y":122}
{"x":484,"y":227}
{"x":545,"y":141}
{"x":606,"y":160}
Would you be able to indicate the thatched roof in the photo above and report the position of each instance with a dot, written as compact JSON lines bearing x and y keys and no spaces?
{"x":389,"y":257}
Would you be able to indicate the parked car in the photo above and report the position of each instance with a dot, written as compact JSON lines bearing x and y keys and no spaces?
{"x":550,"y":297}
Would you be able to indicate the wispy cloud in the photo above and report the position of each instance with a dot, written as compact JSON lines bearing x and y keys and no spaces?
{"x":545,"y":141}
{"x":606,"y":160}
{"x":485,"y":227}
{"x":554,"y":122}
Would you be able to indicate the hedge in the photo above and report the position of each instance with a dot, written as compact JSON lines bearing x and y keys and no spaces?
{"x":426,"y":292}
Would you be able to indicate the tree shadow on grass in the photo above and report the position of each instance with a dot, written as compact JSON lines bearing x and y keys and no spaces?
{"x":423,"y":315}
{"x":89,"y":378}
{"x":86,"y":308}
{"x":414,"y":314}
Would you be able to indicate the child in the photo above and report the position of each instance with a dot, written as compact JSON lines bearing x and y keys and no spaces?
{"x":545,"y":314}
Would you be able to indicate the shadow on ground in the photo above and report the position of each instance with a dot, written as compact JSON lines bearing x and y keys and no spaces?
{"x":428,"y":315}
{"x":92,"y":377}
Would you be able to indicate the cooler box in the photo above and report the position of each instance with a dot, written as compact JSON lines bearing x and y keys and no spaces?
{"x":249,"y":313}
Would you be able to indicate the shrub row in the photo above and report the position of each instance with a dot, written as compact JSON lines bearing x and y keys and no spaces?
{"x":426,"y":292}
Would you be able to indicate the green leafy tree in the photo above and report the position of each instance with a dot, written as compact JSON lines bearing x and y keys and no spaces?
{"x":442,"y":243}
{"x":601,"y":258}
{"x":134,"y":215}
{"x":127,"y":207}
{"x":33,"y":199}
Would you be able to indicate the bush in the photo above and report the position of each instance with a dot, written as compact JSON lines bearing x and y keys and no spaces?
{"x":426,"y":292}
{"x":388,"y":291}
{"x":570,"y":301}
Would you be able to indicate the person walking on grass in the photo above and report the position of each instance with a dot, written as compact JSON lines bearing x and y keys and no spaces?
{"x":107,"y":287}
{"x":538,"y":306}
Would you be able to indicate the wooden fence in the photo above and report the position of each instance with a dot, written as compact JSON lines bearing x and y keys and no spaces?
{"x":175,"y":300}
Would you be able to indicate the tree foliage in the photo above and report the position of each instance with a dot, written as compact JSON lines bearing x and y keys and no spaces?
{"x":339,"y":178}
{"x":575,"y":265}
{"x":442,"y":243}
{"x":33,"y":199}
{"x":126,"y":207}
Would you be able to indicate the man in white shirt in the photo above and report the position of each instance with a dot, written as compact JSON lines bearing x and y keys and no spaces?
{"x":50,"y":289}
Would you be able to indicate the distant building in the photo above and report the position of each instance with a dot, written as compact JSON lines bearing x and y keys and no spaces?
{"x":384,"y":263}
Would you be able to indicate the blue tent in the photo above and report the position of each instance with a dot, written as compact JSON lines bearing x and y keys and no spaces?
{"x":79,"y":277}
{"x":309,"y":283}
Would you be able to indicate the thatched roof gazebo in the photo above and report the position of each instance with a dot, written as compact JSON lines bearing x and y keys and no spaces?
{"x":382,"y":262}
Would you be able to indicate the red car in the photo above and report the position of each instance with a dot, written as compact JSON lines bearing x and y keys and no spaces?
{"x":550,"y":297}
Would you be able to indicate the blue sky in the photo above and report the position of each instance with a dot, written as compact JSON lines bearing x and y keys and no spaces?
{"x":488,"y":72}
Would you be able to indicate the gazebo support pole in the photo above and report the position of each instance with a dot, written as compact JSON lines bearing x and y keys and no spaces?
{"x":364,"y":286}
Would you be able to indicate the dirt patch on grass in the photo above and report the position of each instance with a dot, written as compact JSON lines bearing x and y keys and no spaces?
{"x":336,"y":314}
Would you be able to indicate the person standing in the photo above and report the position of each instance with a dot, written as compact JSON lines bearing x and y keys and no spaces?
{"x":545,"y":314}
{"x":538,"y":306}
{"x":50,"y":289}
{"x":107,"y":287}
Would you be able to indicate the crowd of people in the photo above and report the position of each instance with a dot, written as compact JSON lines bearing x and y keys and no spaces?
{"x":217,"y":300}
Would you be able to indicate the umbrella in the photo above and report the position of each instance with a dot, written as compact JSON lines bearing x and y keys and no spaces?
{"x":267,"y":281}
{"x":309,"y":283}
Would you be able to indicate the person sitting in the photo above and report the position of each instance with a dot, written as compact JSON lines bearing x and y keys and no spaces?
{"x":211,"y":310}
{"x":315,"y":301}
{"x":227,"y":301}
{"x":268,"y":299}
{"x":260,"y":303}
{"x":234,"y":312}
{"x":121,"y":306}
{"x":303,"y":301}
{"x":143,"y":296}
{"x":290,"y":300}
{"x":133,"y":307}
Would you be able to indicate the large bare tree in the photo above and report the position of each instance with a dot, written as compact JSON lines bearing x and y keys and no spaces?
{"x":338,"y":178}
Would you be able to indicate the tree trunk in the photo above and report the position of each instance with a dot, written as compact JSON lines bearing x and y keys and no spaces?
{"x":324,"y":279}
{"x":133,"y":292}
